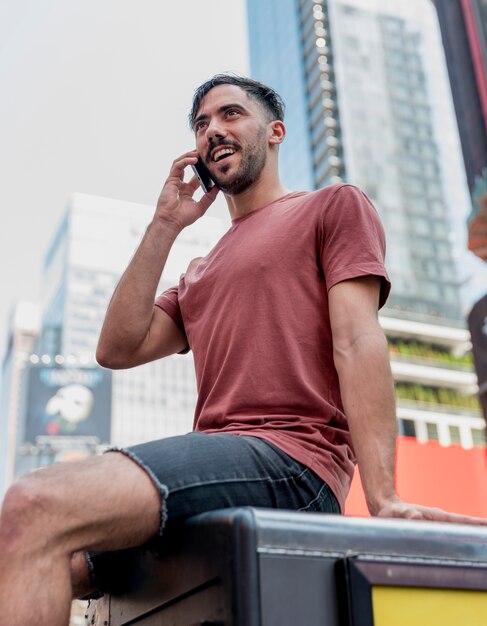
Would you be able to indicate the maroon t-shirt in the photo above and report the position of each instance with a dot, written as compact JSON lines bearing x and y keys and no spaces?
{"x":255,"y":314}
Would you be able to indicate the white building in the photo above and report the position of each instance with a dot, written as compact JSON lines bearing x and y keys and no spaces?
{"x":24,"y":328}
{"x":88,"y":254}
{"x":436,"y":387}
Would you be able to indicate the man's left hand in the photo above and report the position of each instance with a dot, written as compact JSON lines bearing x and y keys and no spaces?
{"x":398,"y":508}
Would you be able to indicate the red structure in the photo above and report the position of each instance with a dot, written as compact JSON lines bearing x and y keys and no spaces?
{"x":451,"y":478}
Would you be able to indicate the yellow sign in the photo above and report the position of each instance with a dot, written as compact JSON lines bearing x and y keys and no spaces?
{"x":413,"y":606}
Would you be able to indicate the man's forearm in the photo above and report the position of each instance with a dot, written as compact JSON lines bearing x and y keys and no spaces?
{"x":368,"y":397}
{"x":130,"y":310}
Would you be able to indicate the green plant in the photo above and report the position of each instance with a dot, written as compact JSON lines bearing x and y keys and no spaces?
{"x":428,"y":351}
{"x":448,"y":397}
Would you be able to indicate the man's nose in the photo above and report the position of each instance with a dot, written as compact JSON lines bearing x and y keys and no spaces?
{"x":215,"y":130}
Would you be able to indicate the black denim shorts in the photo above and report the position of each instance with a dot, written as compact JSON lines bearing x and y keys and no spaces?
{"x":201,"y":472}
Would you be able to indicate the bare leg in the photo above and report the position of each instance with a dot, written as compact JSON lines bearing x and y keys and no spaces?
{"x":104,"y":503}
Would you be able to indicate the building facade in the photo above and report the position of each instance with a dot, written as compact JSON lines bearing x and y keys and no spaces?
{"x":44,"y":369}
{"x":91,"y":249}
{"x":368,"y":103}
{"x":23,"y":331}
{"x":464,"y":33}
{"x":436,"y":387}
{"x":366,"y":95}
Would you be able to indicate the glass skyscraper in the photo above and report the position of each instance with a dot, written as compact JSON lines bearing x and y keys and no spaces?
{"x":366,"y":105}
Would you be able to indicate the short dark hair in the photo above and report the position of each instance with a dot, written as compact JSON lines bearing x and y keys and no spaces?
{"x":270,"y":100}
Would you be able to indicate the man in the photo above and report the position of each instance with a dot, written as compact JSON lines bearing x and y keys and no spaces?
{"x":281,"y":317}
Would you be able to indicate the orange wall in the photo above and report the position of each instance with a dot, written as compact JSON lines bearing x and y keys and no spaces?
{"x":451,"y":478}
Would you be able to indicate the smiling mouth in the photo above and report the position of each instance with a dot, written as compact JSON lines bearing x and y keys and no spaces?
{"x":222,"y":153}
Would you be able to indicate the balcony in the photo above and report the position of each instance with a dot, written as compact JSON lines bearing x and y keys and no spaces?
{"x":423,"y":408}
{"x":443,"y":400}
{"x":441,"y":375}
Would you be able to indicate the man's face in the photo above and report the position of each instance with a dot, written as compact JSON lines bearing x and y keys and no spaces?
{"x":231,"y":137}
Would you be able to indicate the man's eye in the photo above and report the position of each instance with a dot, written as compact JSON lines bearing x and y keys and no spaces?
{"x":233,"y":112}
{"x":200,"y":125}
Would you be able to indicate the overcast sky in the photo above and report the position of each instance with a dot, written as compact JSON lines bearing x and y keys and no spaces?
{"x":94,"y":99}
{"x":95,"y":95}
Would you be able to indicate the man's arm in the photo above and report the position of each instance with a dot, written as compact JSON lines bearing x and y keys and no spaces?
{"x":135,"y":331}
{"x":362,"y":361}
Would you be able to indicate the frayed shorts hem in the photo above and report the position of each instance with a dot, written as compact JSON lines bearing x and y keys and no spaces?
{"x":161,"y":488}
{"x":199,"y":472}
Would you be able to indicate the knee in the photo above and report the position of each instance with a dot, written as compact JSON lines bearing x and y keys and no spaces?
{"x":25,"y":506}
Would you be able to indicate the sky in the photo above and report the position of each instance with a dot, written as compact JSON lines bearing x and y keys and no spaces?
{"x":95,"y":96}
{"x":94,"y":99}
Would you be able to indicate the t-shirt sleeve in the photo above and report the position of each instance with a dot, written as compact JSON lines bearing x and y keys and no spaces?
{"x":168,"y":302}
{"x":352,"y":240}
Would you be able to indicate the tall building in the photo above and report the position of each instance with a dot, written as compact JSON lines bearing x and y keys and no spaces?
{"x":464,"y":33}
{"x":368,"y":102}
{"x":23,"y":330}
{"x":87,"y":256}
{"x":50,"y":368}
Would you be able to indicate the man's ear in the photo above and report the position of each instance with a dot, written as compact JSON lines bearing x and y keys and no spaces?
{"x":277,"y":132}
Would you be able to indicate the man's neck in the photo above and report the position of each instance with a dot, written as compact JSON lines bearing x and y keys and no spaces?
{"x":255,"y":197}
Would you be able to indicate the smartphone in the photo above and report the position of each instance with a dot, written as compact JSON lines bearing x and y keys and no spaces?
{"x":203,"y":175}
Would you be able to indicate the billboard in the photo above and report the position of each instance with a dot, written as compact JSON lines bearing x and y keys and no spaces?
{"x":67,"y":402}
{"x":477,"y":324}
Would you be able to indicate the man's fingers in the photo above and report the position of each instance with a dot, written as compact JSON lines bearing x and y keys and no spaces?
{"x":179,"y":164}
{"x":208,"y":198}
{"x":398,"y":508}
{"x":430,"y":514}
{"x":413,"y":515}
{"x":192,"y":185}
{"x":456,"y":518}
{"x":439,"y":515}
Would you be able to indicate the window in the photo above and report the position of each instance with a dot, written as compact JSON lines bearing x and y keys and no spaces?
{"x":437,"y":208}
{"x":432,"y":430}
{"x":478,"y":437}
{"x":433,"y":190}
{"x":351,"y":43}
{"x":407,"y":428}
{"x":454,"y":434}
{"x":421,"y":226}
{"x":451,"y":294}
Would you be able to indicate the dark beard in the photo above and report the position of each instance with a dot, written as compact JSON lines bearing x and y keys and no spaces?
{"x":253,"y":161}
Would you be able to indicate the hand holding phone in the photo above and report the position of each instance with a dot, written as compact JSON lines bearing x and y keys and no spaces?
{"x":203,"y":175}
{"x":176,"y":206}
